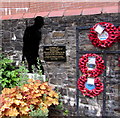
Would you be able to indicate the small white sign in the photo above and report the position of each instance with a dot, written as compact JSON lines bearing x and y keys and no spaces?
{"x":103,"y":36}
{"x":99,"y":29}
{"x":91,"y":63}
{"x":91,"y":60}
{"x":90,"y":81}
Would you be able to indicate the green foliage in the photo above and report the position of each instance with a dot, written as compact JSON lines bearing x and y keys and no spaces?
{"x":66,"y":112}
{"x":10,"y":76}
{"x":38,"y":112}
{"x":37,"y":69}
{"x":61,"y":107}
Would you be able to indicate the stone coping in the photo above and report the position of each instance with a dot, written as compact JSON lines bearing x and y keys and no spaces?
{"x":60,"y":13}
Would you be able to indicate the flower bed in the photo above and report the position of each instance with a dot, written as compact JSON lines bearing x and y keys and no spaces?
{"x":24,"y":100}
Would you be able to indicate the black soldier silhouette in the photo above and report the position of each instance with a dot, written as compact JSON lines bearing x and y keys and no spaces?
{"x":31,"y":41}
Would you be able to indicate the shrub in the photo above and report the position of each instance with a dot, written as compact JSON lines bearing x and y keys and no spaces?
{"x":10,"y":76}
{"x":17,"y":101}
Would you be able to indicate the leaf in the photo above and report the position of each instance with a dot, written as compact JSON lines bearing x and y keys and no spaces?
{"x":11,"y":112}
{"x":55,"y":101}
{"x":4,"y":84}
{"x":48,"y":103}
{"x":25,"y":89}
{"x":18,"y":96}
{"x":5,"y":106}
{"x":42,"y":87}
{"x":36,"y":95}
{"x":53,"y":94}
{"x":23,"y":103}
{"x":24,"y":110}
{"x":31,"y":80}
{"x":34,"y":101}
{"x":44,"y":107}
{"x":17,"y":102}
{"x":8,"y":90}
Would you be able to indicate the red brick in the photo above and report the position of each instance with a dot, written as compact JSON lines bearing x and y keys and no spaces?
{"x":56,"y":13}
{"x":72,"y":12}
{"x":91,"y":11}
{"x":44,"y":8}
{"x":17,"y":16}
{"x":0,"y":17}
{"x":43,"y":14}
{"x":29,"y":15}
{"x":112,"y":9}
{"x":6,"y":17}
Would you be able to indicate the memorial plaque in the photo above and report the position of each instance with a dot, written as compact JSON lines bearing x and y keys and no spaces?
{"x":54,"y":53}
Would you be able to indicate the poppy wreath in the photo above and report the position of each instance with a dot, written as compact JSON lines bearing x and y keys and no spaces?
{"x":119,"y":34}
{"x":119,"y":61}
{"x":99,"y":68}
{"x":90,"y":93}
{"x":111,"y":31}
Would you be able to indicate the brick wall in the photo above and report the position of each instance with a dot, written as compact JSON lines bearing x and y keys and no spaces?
{"x":63,"y":74}
{"x":7,"y":8}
